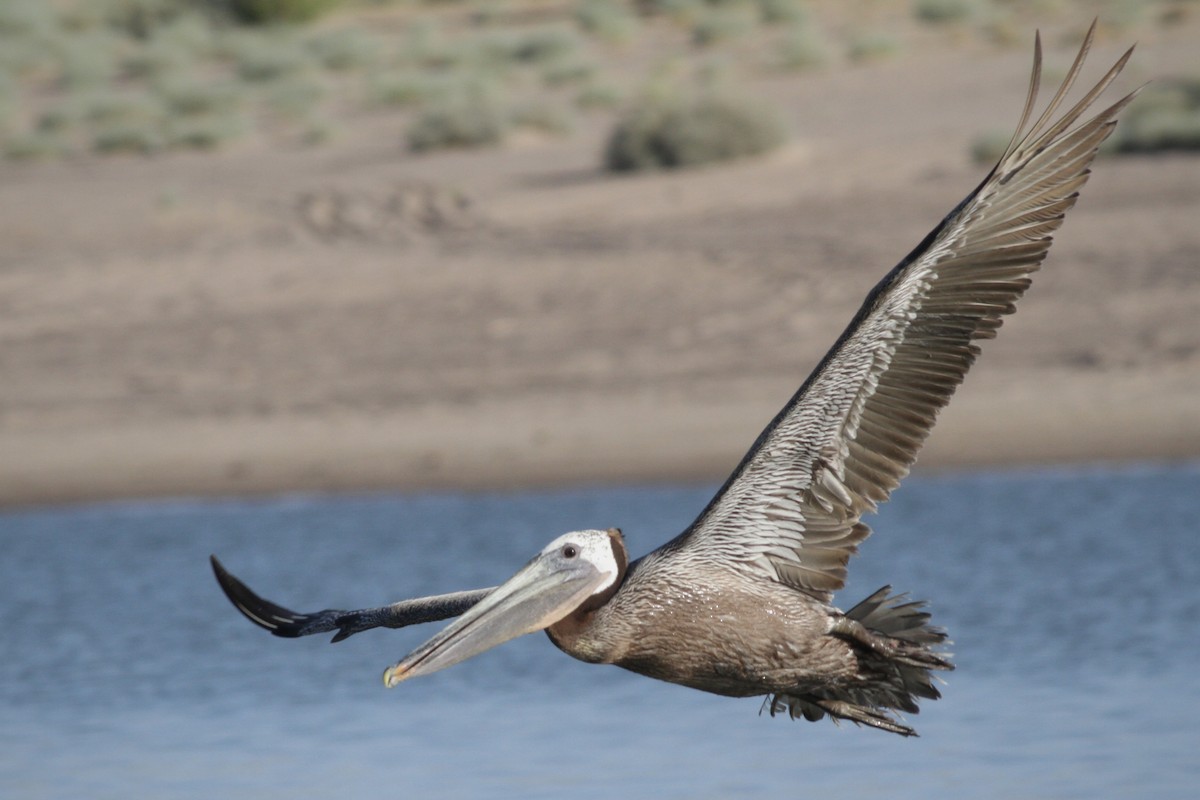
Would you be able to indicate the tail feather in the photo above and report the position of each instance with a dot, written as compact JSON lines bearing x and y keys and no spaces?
{"x":895,"y":645}
{"x":890,"y":615}
{"x":813,"y":708}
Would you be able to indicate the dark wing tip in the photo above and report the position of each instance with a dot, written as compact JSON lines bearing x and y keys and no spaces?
{"x":267,"y":615}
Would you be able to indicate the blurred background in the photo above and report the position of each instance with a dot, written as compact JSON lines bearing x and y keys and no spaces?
{"x":269,"y":246}
{"x":425,"y":284}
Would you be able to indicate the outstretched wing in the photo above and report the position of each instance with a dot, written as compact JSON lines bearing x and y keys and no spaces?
{"x":791,"y":511}
{"x":291,"y":624}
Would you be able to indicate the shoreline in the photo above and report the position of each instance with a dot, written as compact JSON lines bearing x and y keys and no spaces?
{"x":504,"y":446}
{"x":562,"y":326}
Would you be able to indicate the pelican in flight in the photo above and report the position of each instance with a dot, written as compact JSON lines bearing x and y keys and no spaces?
{"x":740,"y":603}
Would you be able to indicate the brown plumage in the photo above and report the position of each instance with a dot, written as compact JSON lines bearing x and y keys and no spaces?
{"x":739,"y":604}
{"x":713,"y":631}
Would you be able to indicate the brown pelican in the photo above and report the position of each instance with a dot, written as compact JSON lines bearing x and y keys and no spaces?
{"x":740,"y":603}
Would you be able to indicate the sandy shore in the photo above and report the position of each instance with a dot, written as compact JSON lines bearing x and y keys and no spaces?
{"x":354,"y":317}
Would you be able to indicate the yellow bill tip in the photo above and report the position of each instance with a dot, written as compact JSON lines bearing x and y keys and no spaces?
{"x":393,"y":675}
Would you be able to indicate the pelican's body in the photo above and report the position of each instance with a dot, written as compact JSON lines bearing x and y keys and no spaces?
{"x":773,"y":639}
{"x":661,"y":624}
{"x":740,"y":603}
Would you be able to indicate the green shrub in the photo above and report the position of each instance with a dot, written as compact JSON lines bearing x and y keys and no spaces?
{"x":426,"y":46}
{"x":542,"y":46}
{"x":344,"y":50}
{"x":721,"y":23}
{"x":942,"y":11}
{"x":205,"y":131}
{"x":191,"y":97}
{"x":294,"y":97}
{"x":397,"y":88}
{"x":872,"y":46}
{"x":1160,"y":131}
{"x":317,"y":130}
{"x":607,"y":20}
{"x":1125,"y":14}
{"x":680,"y":10}
{"x":774,"y":11}
{"x":58,"y":118}
{"x":8,"y":103}
{"x":665,"y":130}
{"x":270,"y":12}
{"x":801,"y":48}
{"x":137,"y":18}
{"x":266,"y":58}
{"x":122,"y":137}
{"x":468,"y":118}
{"x":24,"y":55}
{"x":1166,"y":116}
{"x":171,"y":47}
{"x":88,"y":60}
{"x":598,"y":95}
{"x":539,"y":46}
{"x":114,"y":109}
{"x":26,"y":18}
{"x":35,"y":145}
{"x":124,"y":123}
{"x":988,"y":147}
{"x":561,"y":73}
{"x":155,"y":59}
{"x":1003,"y":28}
{"x":191,"y":33}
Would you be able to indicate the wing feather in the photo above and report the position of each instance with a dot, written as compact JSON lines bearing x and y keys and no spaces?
{"x":290,"y":624}
{"x":791,"y":511}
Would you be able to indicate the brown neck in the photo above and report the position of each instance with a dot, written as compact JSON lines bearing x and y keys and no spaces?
{"x":621,"y":556}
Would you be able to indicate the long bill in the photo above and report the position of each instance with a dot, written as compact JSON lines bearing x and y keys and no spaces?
{"x":538,"y":596}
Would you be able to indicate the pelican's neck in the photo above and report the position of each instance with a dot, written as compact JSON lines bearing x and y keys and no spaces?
{"x":587,"y":632}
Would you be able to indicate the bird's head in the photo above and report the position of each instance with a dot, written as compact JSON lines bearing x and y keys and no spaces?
{"x":576,"y":573}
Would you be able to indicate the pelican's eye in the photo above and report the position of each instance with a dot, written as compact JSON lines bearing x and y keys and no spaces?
{"x":569,"y":551}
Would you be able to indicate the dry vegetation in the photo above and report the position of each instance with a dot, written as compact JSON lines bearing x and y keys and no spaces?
{"x":381,"y":248}
{"x":84,"y":77}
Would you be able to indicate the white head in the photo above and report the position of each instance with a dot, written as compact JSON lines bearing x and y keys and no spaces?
{"x":603,"y":551}
{"x":577,"y":571}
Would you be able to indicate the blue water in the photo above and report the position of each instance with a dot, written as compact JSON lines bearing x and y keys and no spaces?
{"x":1073,"y":598}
